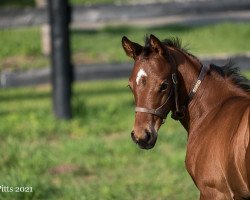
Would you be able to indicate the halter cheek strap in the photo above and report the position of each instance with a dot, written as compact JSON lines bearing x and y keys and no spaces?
{"x":163,"y":110}
{"x":180,"y":113}
{"x":177,"y":114}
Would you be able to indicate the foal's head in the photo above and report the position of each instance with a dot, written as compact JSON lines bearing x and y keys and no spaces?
{"x":152,"y":83}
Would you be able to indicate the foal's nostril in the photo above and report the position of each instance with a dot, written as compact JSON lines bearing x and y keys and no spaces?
{"x":148,"y":136}
{"x":146,"y":140}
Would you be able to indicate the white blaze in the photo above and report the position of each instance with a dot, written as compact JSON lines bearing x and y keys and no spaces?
{"x":140,"y":74}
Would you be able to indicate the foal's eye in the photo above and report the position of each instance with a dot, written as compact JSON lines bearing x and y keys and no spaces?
{"x":164,"y":86}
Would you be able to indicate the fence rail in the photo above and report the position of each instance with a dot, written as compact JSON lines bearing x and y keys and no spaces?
{"x":87,"y":15}
{"x":99,"y":72}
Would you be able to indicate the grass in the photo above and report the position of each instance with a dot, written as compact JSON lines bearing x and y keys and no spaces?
{"x":24,"y":49}
{"x":202,"y":39}
{"x":92,"y":156}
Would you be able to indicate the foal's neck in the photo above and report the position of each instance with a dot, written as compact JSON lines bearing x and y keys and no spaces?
{"x":213,"y":91}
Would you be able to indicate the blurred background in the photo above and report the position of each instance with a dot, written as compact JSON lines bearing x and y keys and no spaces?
{"x":85,"y":151}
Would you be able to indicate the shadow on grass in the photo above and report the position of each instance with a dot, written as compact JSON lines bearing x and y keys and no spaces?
{"x":84,"y":92}
{"x":19,"y":112}
{"x":99,"y":92}
{"x":24,"y":96}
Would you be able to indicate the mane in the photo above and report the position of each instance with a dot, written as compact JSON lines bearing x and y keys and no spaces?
{"x":227,"y":71}
{"x":232,"y":72}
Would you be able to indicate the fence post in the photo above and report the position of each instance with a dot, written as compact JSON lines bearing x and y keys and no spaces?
{"x":62,"y":69}
{"x":45,"y":30}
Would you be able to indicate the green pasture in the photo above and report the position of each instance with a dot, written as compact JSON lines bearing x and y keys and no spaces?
{"x":92,"y":156}
{"x":21,"y":48}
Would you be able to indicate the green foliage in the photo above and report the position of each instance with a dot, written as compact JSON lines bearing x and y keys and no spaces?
{"x":105,"y":164}
{"x":91,"y":156}
{"x":97,"y":46}
{"x":20,"y":42}
{"x":211,"y":39}
{"x":247,"y":74}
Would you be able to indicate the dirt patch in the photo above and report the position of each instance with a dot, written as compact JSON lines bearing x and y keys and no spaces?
{"x":64,"y":168}
{"x":79,"y":172}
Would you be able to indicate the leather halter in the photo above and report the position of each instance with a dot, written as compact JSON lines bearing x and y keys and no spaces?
{"x":162,"y":111}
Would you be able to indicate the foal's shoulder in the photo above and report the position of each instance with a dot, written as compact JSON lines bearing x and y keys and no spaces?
{"x":235,"y":107}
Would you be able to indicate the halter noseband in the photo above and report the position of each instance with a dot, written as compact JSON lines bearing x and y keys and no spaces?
{"x":162,"y":111}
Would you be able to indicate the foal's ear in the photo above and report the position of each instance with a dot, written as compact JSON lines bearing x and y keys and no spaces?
{"x":132,"y":49}
{"x":156,"y":44}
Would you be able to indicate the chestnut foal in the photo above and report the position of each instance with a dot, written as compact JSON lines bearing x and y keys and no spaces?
{"x":213,"y":105}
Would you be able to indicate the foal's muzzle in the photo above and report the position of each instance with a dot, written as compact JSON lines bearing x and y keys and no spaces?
{"x":147,"y":141}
